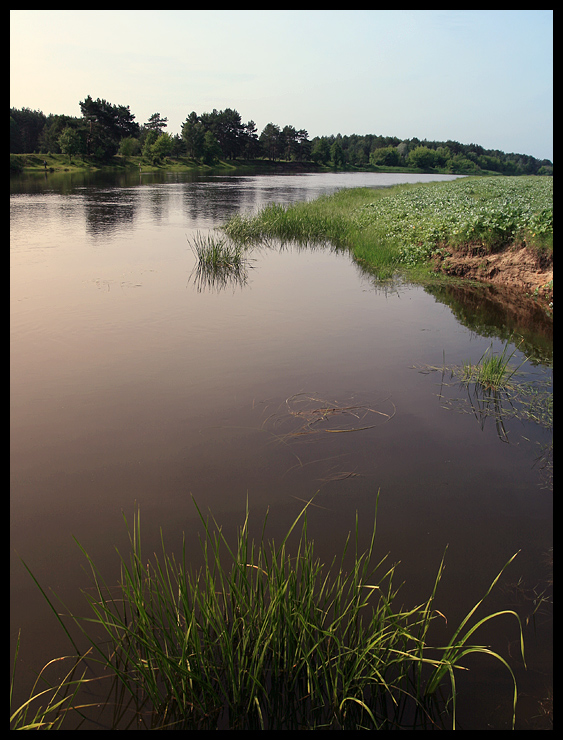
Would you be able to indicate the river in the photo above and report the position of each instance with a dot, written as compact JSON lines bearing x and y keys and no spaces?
{"x":133,"y":383}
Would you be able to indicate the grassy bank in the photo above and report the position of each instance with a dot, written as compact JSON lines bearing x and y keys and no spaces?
{"x":264,"y":636}
{"x":61,"y":163}
{"x":402,"y":227}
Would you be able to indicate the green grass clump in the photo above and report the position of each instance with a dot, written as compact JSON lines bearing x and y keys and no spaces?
{"x":215,"y":251}
{"x":264,"y":636}
{"x":492,"y":370}
{"x":220,"y":262}
{"x":326,"y":220}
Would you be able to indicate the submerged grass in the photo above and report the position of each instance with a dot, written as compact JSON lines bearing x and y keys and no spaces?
{"x":398,"y":228}
{"x":264,"y":636}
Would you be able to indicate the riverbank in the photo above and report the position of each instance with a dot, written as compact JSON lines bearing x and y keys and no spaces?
{"x":511,"y":267}
{"x":497,"y":230}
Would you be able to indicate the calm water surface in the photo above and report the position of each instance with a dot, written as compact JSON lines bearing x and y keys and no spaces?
{"x":133,"y":383}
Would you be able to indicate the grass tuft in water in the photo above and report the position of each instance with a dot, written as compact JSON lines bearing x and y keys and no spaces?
{"x":220,"y":262}
{"x":264,"y":636}
{"x":216,"y":251}
{"x":492,"y":370}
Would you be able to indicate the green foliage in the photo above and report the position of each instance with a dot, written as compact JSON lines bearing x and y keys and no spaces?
{"x":387,"y":155}
{"x":156,"y":146}
{"x":422,"y":157}
{"x":337,"y":155}
{"x":216,"y":251}
{"x":193,"y":133}
{"x":16,"y":164}
{"x":47,"y":708}
{"x":147,"y":151}
{"x":156,"y":123}
{"x":221,"y":262}
{"x":129,"y":147}
{"x":492,"y":370}
{"x":26,"y":126}
{"x":107,"y":124}
{"x":270,"y":139}
{"x":54,"y":127}
{"x":104,"y":125}
{"x":71,"y":143}
{"x":211,"y":148}
{"x":459,"y":165}
{"x":484,"y":213}
{"x":320,"y":152}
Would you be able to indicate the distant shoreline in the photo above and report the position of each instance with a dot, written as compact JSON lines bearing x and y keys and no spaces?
{"x":29,"y":163}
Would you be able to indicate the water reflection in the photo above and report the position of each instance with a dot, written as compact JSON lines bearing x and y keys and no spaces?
{"x":494,"y":311}
{"x":217,"y":278}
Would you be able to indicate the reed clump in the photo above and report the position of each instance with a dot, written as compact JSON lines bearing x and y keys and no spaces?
{"x":264,"y":636}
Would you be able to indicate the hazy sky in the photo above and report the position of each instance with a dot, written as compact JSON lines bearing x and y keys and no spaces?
{"x":474,"y":76}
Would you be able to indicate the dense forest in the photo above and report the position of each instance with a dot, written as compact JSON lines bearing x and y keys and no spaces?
{"x":106,"y":130}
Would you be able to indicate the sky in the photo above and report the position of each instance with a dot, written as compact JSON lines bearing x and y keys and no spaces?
{"x":473,"y":76}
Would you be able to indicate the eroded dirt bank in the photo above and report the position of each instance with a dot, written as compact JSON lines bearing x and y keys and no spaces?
{"x":513,"y":267}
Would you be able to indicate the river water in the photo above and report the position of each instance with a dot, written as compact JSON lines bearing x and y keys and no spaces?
{"x":133,"y":382}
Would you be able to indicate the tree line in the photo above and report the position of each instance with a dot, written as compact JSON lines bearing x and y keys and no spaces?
{"x":105,"y":130}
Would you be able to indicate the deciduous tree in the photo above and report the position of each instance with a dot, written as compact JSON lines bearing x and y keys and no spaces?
{"x":321,"y":150}
{"x":423,"y":157}
{"x":71,"y":142}
{"x":387,"y":156}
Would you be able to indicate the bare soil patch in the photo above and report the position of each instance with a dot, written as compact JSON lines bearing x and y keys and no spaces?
{"x":512,"y":267}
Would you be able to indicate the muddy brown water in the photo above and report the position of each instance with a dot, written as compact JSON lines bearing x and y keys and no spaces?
{"x":132,"y":383}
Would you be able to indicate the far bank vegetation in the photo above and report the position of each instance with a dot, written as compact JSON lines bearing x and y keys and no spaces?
{"x":109,"y":134}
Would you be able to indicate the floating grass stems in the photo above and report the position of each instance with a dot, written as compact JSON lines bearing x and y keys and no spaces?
{"x":264,"y":636}
{"x":308,"y":414}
